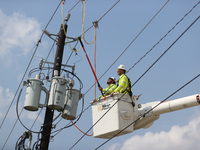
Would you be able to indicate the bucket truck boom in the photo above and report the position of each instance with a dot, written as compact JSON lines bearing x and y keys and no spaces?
{"x":114,"y":114}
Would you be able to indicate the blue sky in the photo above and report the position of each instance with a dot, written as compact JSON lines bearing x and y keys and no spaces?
{"x":21,"y":25}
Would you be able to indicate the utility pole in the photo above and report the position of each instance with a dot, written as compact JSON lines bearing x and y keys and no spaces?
{"x":46,"y":132}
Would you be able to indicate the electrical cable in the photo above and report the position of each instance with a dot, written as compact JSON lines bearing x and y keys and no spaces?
{"x":102,"y":16}
{"x":74,"y":6}
{"x":28,"y":67}
{"x":73,"y":49}
{"x":89,"y":27}
{"x":128,"y":45}
{"x":80,"y":129}
{"x":18,"y":113}
{"x":67,"y":61}
{"x":163,"y":37}
{"x":83,"y":20}
{"x":36,"y":118}
{"x":11,"y":130}
{"x":166,"y":50}
{"x":139,"y":78}
{"x":153,"y":46}
{"x":146,"y":72}
{"x":116,"y":60}
{"x":18,"y":141}
{"x":95,"y":66}
{"x":30,"y":63}
{"x":68,"y":125}
{"x":149,"y":111}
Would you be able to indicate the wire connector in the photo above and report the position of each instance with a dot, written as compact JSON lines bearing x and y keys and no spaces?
{"x":95,"y":23}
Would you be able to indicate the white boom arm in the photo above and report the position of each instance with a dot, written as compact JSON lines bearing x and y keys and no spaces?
{"x":115,"y":114}
{"x":165,"y":107}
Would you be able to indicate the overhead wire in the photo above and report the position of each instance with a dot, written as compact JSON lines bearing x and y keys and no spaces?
{"x":74,"y":6}
{"x":59,"y":130}
{"x":148,"y":111}
{"x":163,"y":37}
{"x":11,"y":131}
{"x":22,"y":108}
{"x":83,"y":21}
{"x":119,"y":57}
{"x":83,"y":32}
{"x":118,"y":1}
{"x":35,"y":52}
{"x":148,"y":70}
{"x":128,"y":45}
{"x":46,"y":60}
{"x":63,"y":22}
{"x":95,"y":66}
{"x":140,"y":78}
{"x":80,"y":129}
{"x":37,"y":45}
{"x":102,"y":16}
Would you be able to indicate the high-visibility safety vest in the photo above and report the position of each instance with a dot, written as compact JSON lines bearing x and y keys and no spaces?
{"x":109,"y":89}
{"x":124,"y":85}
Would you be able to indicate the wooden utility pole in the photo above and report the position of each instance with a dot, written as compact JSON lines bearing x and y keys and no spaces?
{"x":46,"y":132}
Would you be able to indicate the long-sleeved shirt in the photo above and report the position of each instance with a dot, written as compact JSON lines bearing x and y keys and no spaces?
{"x":122,"y":85}
{"x":109,"y":89}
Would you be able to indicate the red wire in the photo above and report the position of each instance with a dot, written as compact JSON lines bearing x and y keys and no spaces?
{"x":95,"y":65}
{"x":80,"y":129}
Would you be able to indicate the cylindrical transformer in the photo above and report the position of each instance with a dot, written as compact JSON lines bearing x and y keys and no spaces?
{"x":71,"y":103}
{"x":57,"y":93}
{"x":33,"y":93}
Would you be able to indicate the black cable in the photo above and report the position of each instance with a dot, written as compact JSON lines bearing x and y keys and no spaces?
{"x":18,"y":114}
{"x":18,"y":141}
{"x":70,"y":124}
{"x":139,"y":79}
{"x":147,"y":71}
{"x":163,"y":36}
{"x":34,"y":70}
{"x":165,"y":51}
{"x":149,"y":110}
{"x":37,"y":45}
{"x":151,"y":48}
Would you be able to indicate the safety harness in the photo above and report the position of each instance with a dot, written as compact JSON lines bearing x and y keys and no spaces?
{"x":128,"y":90}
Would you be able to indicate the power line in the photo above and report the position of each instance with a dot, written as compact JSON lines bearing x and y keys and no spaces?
{"x":147,"y":71}
{"x":148,"y":111}
{"x":74,"y":6}
{"x":165,"y":51}
{"x":113,"y":64}
{"x":102,"y":16}
{"x":151,"y":48}
{"x":11,"y":131}
{"x":163,"y":37}
{"x":128,"y":46}
{"x":139,"y":78}
{"x":37,"y":45}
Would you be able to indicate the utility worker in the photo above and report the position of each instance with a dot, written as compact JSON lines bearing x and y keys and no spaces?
{"x":110,"y":88}
{"x":124,"y":84}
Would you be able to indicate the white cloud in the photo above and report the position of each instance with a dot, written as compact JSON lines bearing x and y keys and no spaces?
{"x":184,"y":138}
{"x":18,"y":33}
{"x":5,"y":99}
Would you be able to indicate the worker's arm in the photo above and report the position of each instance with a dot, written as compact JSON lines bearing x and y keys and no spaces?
{"x":109,"y":89}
